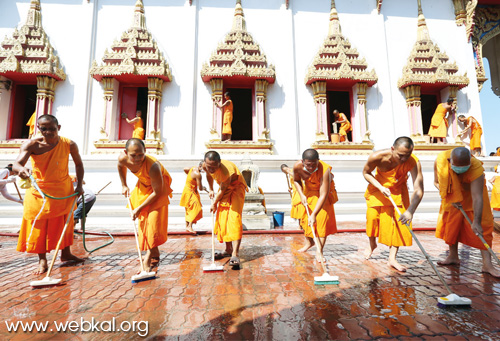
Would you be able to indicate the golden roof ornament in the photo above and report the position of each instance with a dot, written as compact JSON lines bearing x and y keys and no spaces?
{"x":238,"y":55}
{"x":427,"y":65}
{"x":134,"y":54}
{"x":337,"y":60}
{"x":28,"y":53}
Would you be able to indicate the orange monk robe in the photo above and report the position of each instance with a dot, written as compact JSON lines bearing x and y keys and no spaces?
{"x":298,"y":210}
{"x":326,"y":223}
{"x":153,"y":219}
{"x":381,"y":220}
{"x":228,"y":118}
{"x":495,"y":194}
{"x":31,"y":123}
{"x":439,"y":124}
{"x":345,"y":127}
{"x":452,"y":226}
{"x":475,"y":133}
{"x":50,"y":170}
{"x":228,"y":223}
{"x":138,"y":132}
{"x":263,"y":200}
{"x":190,"y":199}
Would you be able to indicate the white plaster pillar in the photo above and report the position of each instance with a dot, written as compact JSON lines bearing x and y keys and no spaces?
{"x":361,"y":89}
{"x":105,"y":129}
{"x":413,"y":104}
{"x":153,"y":132}
{"x":5,"y":96}
{"x":44,"y":96}
{"x":319,"y":90}
{"x":215,"y":130}
{"x":260,"y":103}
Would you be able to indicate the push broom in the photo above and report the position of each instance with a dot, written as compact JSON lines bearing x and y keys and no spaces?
{"x":143,"y":275}
{"x":451,"y":299}
{"x":325,"y":278}
{"x":47,"y":281}
{"x":213,"y":267}
{"x":480,"y":236}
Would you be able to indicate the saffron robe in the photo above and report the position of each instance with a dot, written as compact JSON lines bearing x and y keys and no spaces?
{"x":495,"y":194}
{"x":345,"y":127}
{"x":326,"y":223}
{"x":475,"y":133}
{"x":50,"y":171}
{"x":228,"y":224}
{"x":228,"y":118}
{"x":153,"y":219}
{"x":452,"y":226}
{"x":381,"y":219}
{"x":190,"y":199}
{"x":138,"y":132}
{"x":298,"y":210}
{"x":31,"y":123}
{"x":439,"y":124}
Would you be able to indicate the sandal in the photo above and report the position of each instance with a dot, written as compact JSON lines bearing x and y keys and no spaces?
{"x":221,"y":255}
{"x":234,"y":262}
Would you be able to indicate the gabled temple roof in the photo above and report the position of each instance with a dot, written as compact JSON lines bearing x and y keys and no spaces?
{"x":238,"y":55}
{"x":134,"y":57}
{"x":28,"y":53}
{"x":337,"y":61}
{"x":427,"y":65}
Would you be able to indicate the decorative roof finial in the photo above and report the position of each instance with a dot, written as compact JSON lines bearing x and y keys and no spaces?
{"x":34,"y":15}
{"x":422,"y":30}
{"x":334,"y":28}
{"x":239,"y":19}
{"x":139,"y":21}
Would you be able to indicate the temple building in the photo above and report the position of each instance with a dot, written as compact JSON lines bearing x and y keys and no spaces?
{"x":287,"y":65}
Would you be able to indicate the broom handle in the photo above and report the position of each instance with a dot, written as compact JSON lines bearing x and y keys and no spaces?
{"x":103,"y":188}
{"x":19,"y":193}
{"x":135,"y":234}
{"x":422,"y":249}
{"x":480,"y":236}
{"x":213,"y":236}
{"x":61,"y":237}
{"x":316,"y":240}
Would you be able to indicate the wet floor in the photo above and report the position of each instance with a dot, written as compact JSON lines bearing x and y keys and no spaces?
{"x":272,"y":296}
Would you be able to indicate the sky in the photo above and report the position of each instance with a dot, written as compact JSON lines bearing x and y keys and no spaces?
{"x":490,"y":109}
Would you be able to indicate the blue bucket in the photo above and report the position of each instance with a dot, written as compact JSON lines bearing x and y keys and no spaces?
{"x":278,"y":218}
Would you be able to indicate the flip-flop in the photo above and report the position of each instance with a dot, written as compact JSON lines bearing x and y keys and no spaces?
{"x":221,"y":255}
{"x":234,"y":261}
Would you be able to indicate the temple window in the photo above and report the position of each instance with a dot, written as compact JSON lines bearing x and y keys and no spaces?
{"x":22,"y":107}
{"x":341,"y":101}
{"x":242,"y":127}
{"x":132,"y":76}
{"x":429,"y":105}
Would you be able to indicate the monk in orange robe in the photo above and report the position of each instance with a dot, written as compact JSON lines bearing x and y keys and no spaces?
{"x":149,"y":199}
{"x":298,"y":210}
{"x":138,"y":124}
{"x":31,"y":124}
{"x":475,"y":133}
{"x":495,"y":192}
{"x":227,"y":204}
{"x":345,"y":125}
{"x":390,"y":180}
{"x":314,"y":181}
{"x":190,"y":198}
{"x":439,"y":122}
{"x":42,"y":225}
{"x":460,"y":181}
{"x":227,"y":116}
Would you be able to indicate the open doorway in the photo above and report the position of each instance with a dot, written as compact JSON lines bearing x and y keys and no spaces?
{"x":24,"y":105}
{"x":242,"y":114}
{"x":428,"y":104}
{"x":341,"y":101}
{"x":133,"y":99}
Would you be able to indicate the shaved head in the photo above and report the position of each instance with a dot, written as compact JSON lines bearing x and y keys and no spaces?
{"x":404,"y":141}
{"x":212,"y":155}
{"x":310,"y":154}
{"x":460,"y":156}
{"x":50,"y":118}
{"x":135,"y":142}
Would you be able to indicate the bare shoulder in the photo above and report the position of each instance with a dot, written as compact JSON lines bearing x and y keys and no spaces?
{"x":379,"y":156}
{"x":122,"y":158}
{"x":31,"y":145}
{"x":196,"y":173}
{"x":297,"y":165}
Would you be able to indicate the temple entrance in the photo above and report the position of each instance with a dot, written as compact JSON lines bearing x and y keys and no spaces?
{"x":24,"y":105}
{"x":340,"y":100}
{"x":242,"y":114}
{"x":132,"y":99}
{"x":429,"y":104}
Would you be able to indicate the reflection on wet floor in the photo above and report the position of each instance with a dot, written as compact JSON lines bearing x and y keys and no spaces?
{"x":272,"y":296}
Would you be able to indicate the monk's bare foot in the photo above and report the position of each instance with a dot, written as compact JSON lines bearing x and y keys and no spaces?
{"x":319,"y":257}
{"x":450,"y":260}
{"x":42,"y":267}
{"x":71,"y":258}
{"x":306,"y":246}
{"x":190,"y":230}
{"x":492,"y":271}
{"x":397,"y":266}
{"x":369,"y":251}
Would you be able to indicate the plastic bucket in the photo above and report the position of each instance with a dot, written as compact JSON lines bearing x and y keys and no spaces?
{"x":278,"y":218}
{"x":335,"y":138}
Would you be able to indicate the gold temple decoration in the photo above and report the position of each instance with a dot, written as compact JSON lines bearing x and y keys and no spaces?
{"x":29,"y":50}
{"x":465,"y":11}
{"x":379,"y":6}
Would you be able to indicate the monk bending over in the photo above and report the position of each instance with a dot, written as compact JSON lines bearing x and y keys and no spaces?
{"x":227,"y":204}
{"x":390,"y":180}
{"x":298,"y":209}
{"x":190,"y":198}
{"x":314,"y":183}
{"x":475,"y":133}
{"x":49,"y":161}
{"x":460,"y":181}
{"x":149,"y":198}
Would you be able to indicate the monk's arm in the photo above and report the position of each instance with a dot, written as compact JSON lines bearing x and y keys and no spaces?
{"x":122,"y":172}
{"x":297,"y":179}
{"x":199,"y":182}
{"x":156,"y":184}
{"x":186,"y":169}
{"x":418,"y":193}
{"x":77,"y":160}
{"x":210,"y":182}
{"x":22,"y":158}
{"x":436,"y":179}
{"x":369,"y":167}
{"x":323,"y":193}
{"x":476,"y":190}
{"x":224,"y":186}
{"x":132,"y":121}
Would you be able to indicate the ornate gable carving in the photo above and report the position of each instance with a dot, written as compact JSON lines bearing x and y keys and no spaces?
{"x":238,"y":55}
{"x":427,"y":64}
{"x":136,"y":53}
{"x":29,"y":50}
{"x":337,"y":60}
